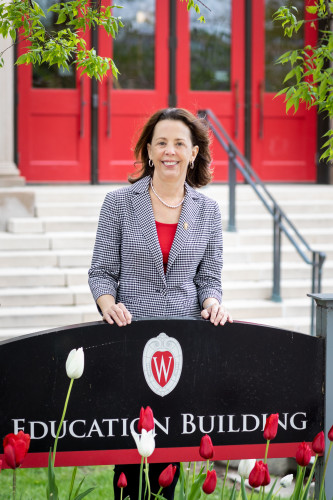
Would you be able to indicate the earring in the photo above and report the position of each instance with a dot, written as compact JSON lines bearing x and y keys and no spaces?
{"x":151,"y":163}
{"x":191,"y":165}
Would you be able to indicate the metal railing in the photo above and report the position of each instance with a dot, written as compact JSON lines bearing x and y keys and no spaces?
{"x":281,"y":223}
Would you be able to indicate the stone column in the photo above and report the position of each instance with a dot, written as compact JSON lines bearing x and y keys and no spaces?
{"x":324,"y":328}
{"x":9,"y":173}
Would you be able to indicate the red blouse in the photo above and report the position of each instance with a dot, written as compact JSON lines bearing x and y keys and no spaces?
{"x":166,"y":234}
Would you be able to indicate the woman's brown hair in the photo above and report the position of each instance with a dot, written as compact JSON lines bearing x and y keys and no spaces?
{"x":201,"y":174}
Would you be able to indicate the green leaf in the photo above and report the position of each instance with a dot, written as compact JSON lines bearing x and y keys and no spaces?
{"x":84,"y":494}
{"x":244,"y":497}
{"x":72,"y":482}
{"x":312,"y":9}
{"x":51,"y":487}
{"x":22,"y":59}
{"x":195,"y":491}
{"x":270,"y":494}
{"x":61,"y":18}
{"x":289,"y":75}
{"x":181,"y":482}
{"x":233,"y":492}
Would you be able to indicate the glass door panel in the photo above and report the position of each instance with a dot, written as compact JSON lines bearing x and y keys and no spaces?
{"x":211,"y":48}
{"x":53,"y":120}
{"x":283,"y":146}
{"x":210,"y":69}
{"x":141,"y":54}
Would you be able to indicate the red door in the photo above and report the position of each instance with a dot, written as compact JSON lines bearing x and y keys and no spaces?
{"x":283,"y":146}
{"x":55,"y":108}
{"x":141,"y":53}
{"x":210,"y":69}
{"x":53,"y":123}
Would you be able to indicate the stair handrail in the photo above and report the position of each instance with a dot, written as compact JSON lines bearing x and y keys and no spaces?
{"x":281,"y":223}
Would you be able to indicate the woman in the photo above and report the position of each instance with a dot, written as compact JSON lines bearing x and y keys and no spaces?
{"x":158,"y":249}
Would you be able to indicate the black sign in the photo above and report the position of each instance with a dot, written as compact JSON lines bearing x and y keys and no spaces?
{"x":197,"y":378}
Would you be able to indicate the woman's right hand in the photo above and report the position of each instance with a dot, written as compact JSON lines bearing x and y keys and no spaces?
{"x":112,"y":312}
{"x":117,"y":313}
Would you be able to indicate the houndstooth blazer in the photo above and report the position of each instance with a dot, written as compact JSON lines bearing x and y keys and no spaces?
{"x":127,"y":259}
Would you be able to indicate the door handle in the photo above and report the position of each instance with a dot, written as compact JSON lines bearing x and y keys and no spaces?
{"x":237,"y":105}
{"x":261,"y":109}
{"x":82,"y":105}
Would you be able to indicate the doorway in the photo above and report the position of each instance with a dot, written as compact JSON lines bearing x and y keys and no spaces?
{"x":167,"y":58}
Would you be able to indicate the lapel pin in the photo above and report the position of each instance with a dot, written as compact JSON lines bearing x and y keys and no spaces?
{"x":185,"y":225}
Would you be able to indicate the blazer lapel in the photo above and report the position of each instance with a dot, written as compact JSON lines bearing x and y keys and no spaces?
{"x":185,"y":224}
{"x":145,"y":216}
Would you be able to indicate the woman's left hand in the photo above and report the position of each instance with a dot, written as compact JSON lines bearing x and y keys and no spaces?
{"x":217,"y":314}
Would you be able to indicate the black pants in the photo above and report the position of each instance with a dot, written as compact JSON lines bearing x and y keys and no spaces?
{"x":132,"y":473}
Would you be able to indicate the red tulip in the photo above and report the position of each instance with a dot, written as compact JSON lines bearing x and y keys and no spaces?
{"x":271,"y":426}
{"x":122,"y":481}
{"x":166,"y":476}
{"x":267,"y":477}
{"x":146,"y":420}
{"x":330,"y":434}
{"x":303,"y":454}
{"x":257,"y":474}
{"x":206,"y":449}
{"x":318,"y":444}
{"x":16,"y":447}
{"x":209,"y":484}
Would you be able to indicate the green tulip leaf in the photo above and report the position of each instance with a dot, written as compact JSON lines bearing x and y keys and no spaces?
{"x":233,"y":492}
{"x":72,"y":483}
{"x":299,"y":482}
{"x":84,"y":494}
{"x":244,"y":496}
{"x":195,"y":492}
{"x":181,"y":493}
{"x":270,"y":494}
{"x":51,"y":488}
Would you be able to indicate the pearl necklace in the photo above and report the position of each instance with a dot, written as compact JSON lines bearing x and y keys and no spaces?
{"x":169,"y":206}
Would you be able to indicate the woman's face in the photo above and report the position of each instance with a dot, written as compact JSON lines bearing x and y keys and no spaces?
{"x":171,"y":150}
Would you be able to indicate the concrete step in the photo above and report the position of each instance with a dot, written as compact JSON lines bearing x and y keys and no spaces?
{"x":51,"y":224}
{"x":262,"y":289}
{"x":9,"y":241}
{"x":68,"y":209}
{"x":264,"y":253}
{"x":246,"y":310}
{"x":89,"y":223}
{"x":28,"y":259}
{"x":80,"y":294}
{"x":43,"y":317}
{"x":262,"y":271}
{"x":313,"y":236}
{"x":316,"y":238}
{"x":89,"y":193}
{"x":258,"y":241}
{"x":42,"y":277}
{"x":301,"y":324}
{"x":45,"y":296}
{"x":92,"y":208}
{"x":50,"y":258}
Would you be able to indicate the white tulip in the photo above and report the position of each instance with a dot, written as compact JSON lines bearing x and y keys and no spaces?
{"x":286,"y":480}
{"x":75,"y":363}
{"x":145,"y":442}
{"x":245,"y":467}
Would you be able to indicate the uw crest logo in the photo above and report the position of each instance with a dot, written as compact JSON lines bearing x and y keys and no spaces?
{"x":162,"y":363}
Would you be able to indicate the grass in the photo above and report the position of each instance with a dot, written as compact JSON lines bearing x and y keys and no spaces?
{"x":31,"y":483}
